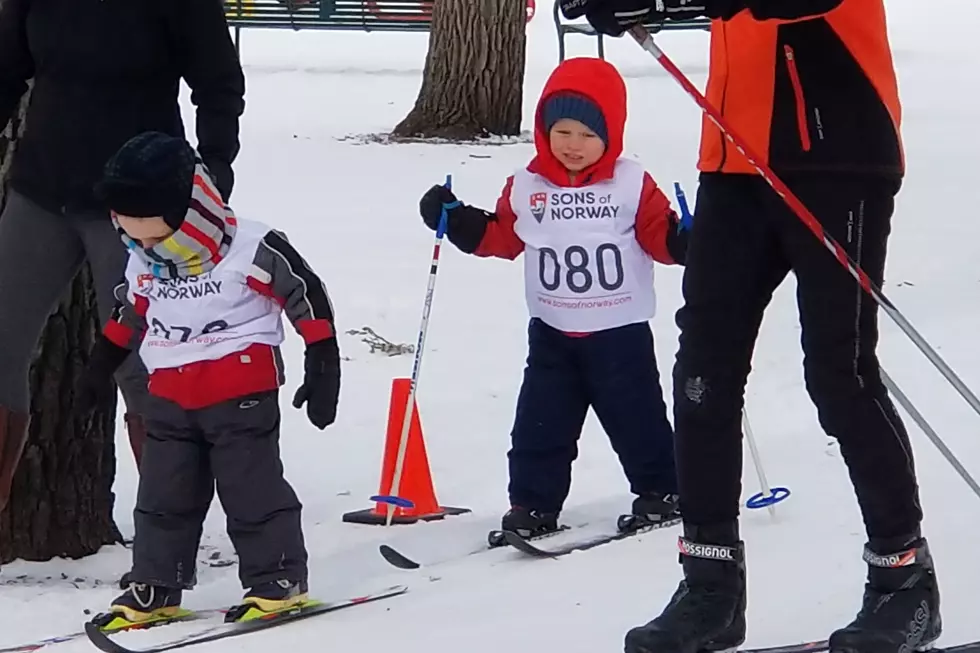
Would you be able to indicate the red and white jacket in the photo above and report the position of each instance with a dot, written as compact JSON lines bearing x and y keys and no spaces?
{"x":589,"y":238}
{"x":214,"y":337}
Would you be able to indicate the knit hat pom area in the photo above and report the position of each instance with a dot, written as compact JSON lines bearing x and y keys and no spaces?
{"x":151,"y":175}
{"x":574,"y":107}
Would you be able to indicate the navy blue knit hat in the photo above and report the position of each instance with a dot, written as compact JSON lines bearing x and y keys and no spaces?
{"x":576,"y":107}
{"x":152,"y":174}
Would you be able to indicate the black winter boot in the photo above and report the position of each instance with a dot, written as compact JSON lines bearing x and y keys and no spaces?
{"x":657,"y":506}
{"x":900,"y":609}
{"x":529,"y":523}
{"x":707,"y":612}
{"x":141,"y":602}
{"x":273,"y":597}
{"x":650,"y":509}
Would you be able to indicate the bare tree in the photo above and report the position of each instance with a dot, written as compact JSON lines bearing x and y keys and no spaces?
{"x":61,"y":501}
{"x":472,"y":85}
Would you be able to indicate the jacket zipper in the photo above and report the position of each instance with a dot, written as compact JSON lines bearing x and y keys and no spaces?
{"x":794,"y":78}
{"x":724,"y":96}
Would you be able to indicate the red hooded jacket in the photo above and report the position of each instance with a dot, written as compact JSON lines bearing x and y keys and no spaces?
{"x":599,"y":81}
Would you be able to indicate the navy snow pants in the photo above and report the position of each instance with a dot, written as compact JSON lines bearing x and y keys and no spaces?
{"x":614,"y":372}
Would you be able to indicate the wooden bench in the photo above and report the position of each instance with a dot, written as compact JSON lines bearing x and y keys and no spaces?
{"x":564,"y":28}
{"x":359,"y":15}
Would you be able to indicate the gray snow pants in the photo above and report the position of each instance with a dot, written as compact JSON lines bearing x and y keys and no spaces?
{"x":40,"y":253}
{"x":234,"y":445}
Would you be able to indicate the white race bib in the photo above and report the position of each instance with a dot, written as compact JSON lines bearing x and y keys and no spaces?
{"x":208,"y":316}
{"x":583,"y":267}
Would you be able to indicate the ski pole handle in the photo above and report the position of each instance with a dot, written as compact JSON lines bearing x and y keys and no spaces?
{"x":444,"y":218}
{"x":686,"y":218}
{"x":645,"y":40}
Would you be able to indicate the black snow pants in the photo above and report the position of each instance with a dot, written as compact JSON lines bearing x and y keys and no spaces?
{"x":744,"y":241}
{"x":234,"y":445}
{"x":614,"y":372}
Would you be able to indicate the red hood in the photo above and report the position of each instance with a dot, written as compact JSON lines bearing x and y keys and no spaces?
{"x":600,"y":82}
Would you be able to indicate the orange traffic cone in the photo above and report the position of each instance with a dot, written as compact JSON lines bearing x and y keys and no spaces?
{"x":416,"y":480}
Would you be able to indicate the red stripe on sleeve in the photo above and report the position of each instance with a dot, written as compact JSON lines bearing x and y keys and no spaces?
{"x":315,"y":330}
{"x":118,"y":333}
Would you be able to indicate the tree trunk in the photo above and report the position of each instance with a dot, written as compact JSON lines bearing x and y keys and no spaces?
{"x":472,"y":85}
{"x":61,"y":502}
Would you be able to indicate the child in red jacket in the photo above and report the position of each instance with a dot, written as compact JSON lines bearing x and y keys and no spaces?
{"x":590,"y":225}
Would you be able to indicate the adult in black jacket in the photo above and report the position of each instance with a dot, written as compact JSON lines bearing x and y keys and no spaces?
{"x":811,"y":86}
{"x":103,"y":71}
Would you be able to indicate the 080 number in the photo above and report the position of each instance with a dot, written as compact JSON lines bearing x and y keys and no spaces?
{"x":577,"y":272}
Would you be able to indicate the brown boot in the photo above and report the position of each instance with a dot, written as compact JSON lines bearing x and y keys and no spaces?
{"x":136,"y":427}
{"x":13,"y":437}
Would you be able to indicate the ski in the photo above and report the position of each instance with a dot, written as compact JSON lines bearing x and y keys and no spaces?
{"x":626,"y":528}
{"x":495,"y":540}
{"x":818,"y":646}
{"x":186,"y":615}
{"x":106,"y":643}
{"x":821,"y":646}
{"x":41,"y":643}
{"x":969,"y":647}
{"x":498,"y":538}
{"x":395,"y":558}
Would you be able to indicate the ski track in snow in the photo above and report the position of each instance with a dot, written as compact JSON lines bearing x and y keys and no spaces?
{"x":351,"y":207}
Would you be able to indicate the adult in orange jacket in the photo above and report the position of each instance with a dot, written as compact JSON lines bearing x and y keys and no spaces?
{"x":811,"y":86}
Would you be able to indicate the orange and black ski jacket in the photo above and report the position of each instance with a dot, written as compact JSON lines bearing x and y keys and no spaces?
{"x":809,"y":84}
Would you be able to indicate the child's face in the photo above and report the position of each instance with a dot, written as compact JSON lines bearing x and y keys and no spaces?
{"x":575,"y":145}
{"x":146,"y":231}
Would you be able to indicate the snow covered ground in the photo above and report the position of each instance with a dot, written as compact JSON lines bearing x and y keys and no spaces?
{"x":352,"y":209}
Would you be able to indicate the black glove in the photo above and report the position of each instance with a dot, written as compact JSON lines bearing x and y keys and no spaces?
{"x":431,"y":204}
{"x":678,"y":237}
{"x":615,"y":17}
{"x":679,"y":234}
{"x":321,"y":383}
{"x":95,"y":386}
{"x":465,"y":225}
{"x":222,"y":175}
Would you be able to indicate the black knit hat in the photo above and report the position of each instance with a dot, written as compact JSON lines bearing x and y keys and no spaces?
{"x":576,"y":107}
{"x":151,"y":175}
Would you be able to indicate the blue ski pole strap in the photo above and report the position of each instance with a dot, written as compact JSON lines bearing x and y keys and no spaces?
{"x":446,"y":208}
{"x":686,"y":218}
{"x":444,"y":218}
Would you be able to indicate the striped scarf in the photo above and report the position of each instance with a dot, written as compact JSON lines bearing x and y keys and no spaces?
{"x":203,"y":239}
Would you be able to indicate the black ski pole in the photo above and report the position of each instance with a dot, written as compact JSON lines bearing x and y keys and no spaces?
{"x":926,"y":428}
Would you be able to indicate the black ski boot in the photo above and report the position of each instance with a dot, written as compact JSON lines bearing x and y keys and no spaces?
{"x":650,"y":509}
{"x":529,"y":523}
{"x":900,"y":609}
{"x":267,"y":598}
{"x":141,"y":603}
{"x":526,"y":523}
{"x":707,"y":612}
